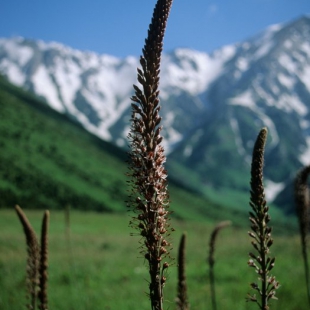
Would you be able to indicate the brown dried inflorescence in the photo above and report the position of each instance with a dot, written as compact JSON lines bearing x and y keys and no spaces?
{"x":37,"y":261}
{"x":211,"y":259}
{"x":33,"y":258}
{"x":303,"y":208}
{"x":302,"y":201}
{"x":182,"y":299}
{"x":149,"y":198}
{"x":42,"y":295}
{"x":261,"y":232}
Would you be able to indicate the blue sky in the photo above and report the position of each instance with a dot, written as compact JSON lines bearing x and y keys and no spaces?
{"x":119,"y":27}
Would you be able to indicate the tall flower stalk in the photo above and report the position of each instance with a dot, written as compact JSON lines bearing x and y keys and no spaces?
{"x":37,"y":261}
{"x":149,"y":197}
{"x":211,"y":259}
{"x":43,"y":296}
{"x":182,"y":299}
{"x":261,"y":232}
{"x":303,"y":209}
{"x":33,"y":259}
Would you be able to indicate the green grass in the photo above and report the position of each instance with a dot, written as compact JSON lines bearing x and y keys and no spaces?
{"x":100,"y":268}
{"x":48,"y":161}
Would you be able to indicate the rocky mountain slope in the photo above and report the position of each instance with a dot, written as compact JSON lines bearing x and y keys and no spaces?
{"x":212,"y":105}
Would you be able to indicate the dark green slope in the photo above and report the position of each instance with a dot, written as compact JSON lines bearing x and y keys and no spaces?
{"x":48,"y":161}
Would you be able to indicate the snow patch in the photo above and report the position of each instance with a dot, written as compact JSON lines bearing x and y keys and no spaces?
{"x":67,"y":74}
{"x":294,"y":102}
{"x":226,"y":52}
{"x":173,"y":136}
{"x":246,"y":100}
{"x":120,"y":142}
{"x":305,"y":47}
{"x":287,"y":63}
{"x":188,"y":151}
{"x":287,"y":81}
{"x":192,"y":71}
{"x":263,"y":50}
{"x":13,"y":72}
{"x":261,"y":92}
{"x":288,"y":44}
{"x":304,"y":124}
{"x":272,"y":189}
{"x":305,"y":77}
{"x":45,"y":87}
{"x":305,"y":156}
{"x":18,"y":53}
{"x":243,"y":64}
{"x":264,"y":41}
{"x":235,"y":127}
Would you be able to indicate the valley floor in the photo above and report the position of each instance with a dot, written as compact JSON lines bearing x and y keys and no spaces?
{"x":95,"y":264}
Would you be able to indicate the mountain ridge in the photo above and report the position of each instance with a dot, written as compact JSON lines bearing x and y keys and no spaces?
{"x":213,"y":105}
{"x":48,"y":161}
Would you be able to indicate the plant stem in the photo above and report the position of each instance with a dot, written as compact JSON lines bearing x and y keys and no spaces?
{"x":182,"y":299}
{"x":261,"y":232}
{"x":211,"y":259}
{"x":150,"y":198}
{"x":303,"y":209}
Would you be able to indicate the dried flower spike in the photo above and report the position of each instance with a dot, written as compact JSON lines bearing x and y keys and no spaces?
{"x":32,"y":259}
{"x":261,"y":232}
{"x":44,"y":262}
{"x":37,"y":261}
{"x":211,"y":260}
{"x":303,"y":208}
{"x":182,"y":299}
{"x":149,"y":198}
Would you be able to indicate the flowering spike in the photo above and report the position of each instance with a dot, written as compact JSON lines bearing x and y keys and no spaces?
{"x":261,"y":233}
{"x":147,"y":158}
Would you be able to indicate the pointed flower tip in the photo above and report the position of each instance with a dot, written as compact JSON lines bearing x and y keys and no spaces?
{"x":264,"y":132}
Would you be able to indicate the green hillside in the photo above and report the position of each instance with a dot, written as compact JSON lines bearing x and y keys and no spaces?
{"x":48,"y":161}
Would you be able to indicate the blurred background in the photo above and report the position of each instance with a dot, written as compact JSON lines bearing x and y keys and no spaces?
{"x":66,"y":75}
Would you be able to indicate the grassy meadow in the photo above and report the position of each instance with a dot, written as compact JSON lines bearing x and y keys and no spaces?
{"x":97,"y":264}
{"x":49,"y":161}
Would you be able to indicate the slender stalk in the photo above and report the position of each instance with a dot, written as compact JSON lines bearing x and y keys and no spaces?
{"x":149,"y":198}
{"x":302,"y":209}
{"x":261,"y":232}
{"x":44,"y":263}
{"x":32,"y":260}
{"x":67,"y":221}
{"x":182,"y":299}
{"x":211,"y":259}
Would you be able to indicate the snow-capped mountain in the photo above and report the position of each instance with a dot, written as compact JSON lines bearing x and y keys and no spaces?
{"x":213,"y":105}
{"x":95,"y":89}
{"x":265,"y":83}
